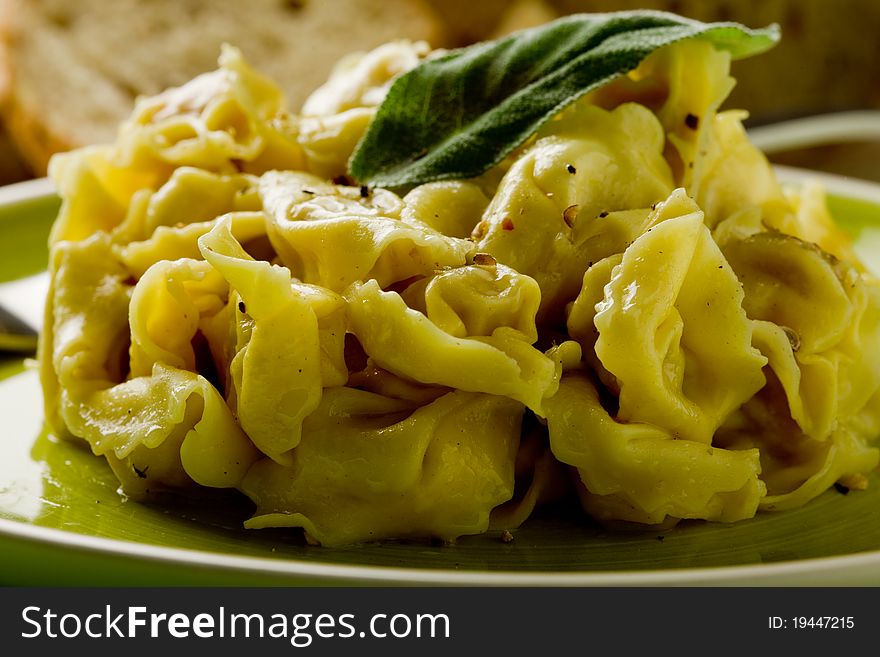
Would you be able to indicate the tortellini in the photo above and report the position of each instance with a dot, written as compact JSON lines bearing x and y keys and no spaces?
{"x":642,"y":473}
{"x":630,"y":310}
{"x":277,"y":374}
{"x":413,"y":345}
{"x":434,"y":470}
{"x":667,"y":306}
{"x":160,"y":423}
{"x":307,"y":215}
{"x":546,"y":217}
{"x":228,"y":121}
{"x":336,"y":115}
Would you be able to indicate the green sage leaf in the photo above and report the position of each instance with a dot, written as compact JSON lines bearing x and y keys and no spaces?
{"x":458,"y":115}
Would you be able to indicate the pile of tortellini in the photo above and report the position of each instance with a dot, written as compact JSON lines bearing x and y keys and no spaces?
{"x":629,"y":310}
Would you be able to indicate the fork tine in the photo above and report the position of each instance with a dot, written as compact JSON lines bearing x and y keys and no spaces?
{"x":15,"y":334}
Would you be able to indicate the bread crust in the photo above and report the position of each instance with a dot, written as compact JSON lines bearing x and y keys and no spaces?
{"x":32,"y":138}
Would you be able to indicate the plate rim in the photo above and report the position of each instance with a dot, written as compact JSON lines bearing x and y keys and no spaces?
{"x":27,"y":190}
{"x":787,"y":572}
{"x":822,"y":570}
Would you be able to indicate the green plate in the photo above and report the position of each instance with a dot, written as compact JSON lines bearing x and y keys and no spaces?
{"x":62,"y":521}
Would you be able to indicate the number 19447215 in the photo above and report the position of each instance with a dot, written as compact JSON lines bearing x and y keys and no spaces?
{"x":811,"y":622}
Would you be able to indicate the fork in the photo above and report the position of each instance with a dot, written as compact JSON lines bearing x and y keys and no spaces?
{"x":16,"y":335}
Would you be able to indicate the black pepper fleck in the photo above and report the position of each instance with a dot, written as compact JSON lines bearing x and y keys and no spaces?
{"x":692,"y":121}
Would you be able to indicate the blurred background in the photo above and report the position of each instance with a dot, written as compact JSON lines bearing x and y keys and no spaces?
{"x":70,"y":71}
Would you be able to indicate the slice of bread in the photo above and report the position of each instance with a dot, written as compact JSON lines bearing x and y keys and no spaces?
{"x":73,"y":69}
